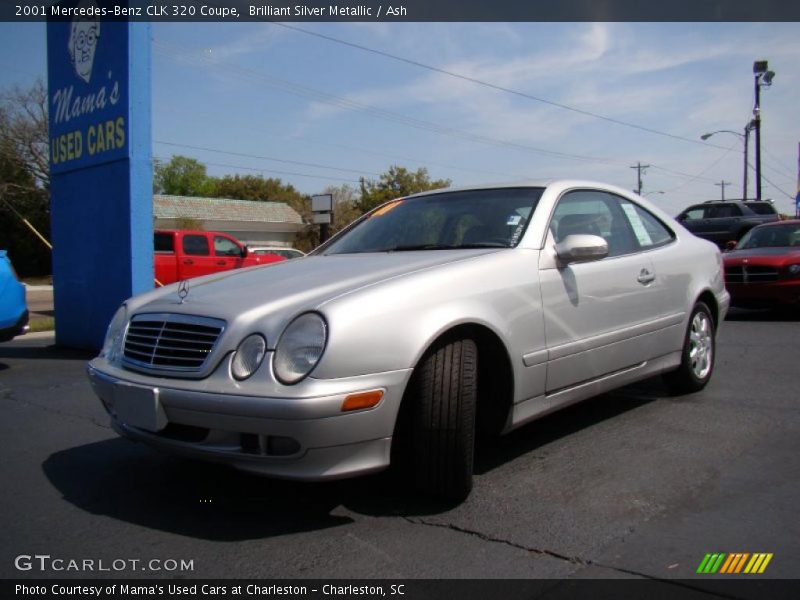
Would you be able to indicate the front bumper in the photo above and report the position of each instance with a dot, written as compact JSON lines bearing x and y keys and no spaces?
{"x":306,"y":438}
{"x":773,"y":293}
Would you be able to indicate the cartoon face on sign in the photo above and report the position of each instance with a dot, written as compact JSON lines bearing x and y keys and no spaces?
{"x":82,"y":43}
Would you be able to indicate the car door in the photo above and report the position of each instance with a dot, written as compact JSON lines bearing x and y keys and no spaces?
{"x":596,"y":312}
{"x":228,"y":253}
{"x":196,"y":258}
{"x":722,"y":220}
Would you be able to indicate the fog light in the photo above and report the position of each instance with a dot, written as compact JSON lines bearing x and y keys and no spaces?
{"x":362,"y":400}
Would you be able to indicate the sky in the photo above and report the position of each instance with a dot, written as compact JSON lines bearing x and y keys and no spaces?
{"x":264,"y":98}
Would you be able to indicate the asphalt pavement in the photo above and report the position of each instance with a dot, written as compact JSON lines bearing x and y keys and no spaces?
{"x":630,"y":484}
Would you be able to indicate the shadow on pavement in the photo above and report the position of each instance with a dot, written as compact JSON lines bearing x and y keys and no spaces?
{"x":497,"y":451}
{"x":129,"y":482}
{"x":126,"y":481}
{"x":777,"y":315}
{"x":52,"y":352}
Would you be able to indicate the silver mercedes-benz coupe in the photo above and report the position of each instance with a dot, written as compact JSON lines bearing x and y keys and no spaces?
{"x":427,"y":321}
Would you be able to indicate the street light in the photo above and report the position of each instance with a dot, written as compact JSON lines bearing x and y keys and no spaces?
{"x":746,"y":139}
{"x":762,"y":77}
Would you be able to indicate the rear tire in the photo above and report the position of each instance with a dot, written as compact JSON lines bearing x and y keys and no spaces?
{"x":698,"y":354}
{"x":440,"y":443}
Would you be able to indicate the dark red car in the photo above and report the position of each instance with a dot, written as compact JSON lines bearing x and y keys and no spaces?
{"x":763,"y":269}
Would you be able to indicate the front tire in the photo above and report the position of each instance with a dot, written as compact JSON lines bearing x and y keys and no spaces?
{"x":442,"y":395}
{"x":698,"y":354}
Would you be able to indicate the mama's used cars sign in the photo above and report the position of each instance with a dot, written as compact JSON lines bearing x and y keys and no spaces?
{"x":101,"y":174}
{"x":88,"y":76}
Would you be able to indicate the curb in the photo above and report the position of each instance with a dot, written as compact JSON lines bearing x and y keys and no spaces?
{"x":38,"y":335}
{"x":38,"y":288}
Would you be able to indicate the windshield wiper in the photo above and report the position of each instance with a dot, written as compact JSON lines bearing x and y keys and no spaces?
{"x":411,"y":247}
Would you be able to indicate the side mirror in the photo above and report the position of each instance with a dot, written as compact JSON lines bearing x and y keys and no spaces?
{"x":581,"y":248}
{"x":680,"y":218}
{"x":730,"y":245}
{"x":245,"y":251}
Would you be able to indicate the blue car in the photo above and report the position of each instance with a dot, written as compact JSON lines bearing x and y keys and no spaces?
{"x":13,"y":309}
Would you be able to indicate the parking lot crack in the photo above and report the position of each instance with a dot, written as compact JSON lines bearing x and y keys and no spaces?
{"x":8,"y":394}
{"x":575,"y":560}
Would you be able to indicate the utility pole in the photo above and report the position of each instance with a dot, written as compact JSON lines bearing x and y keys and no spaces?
{"x":762,"y":77}
{"x":722,"y":184}
{"x":640,"y":168}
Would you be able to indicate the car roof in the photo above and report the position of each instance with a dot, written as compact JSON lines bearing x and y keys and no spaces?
{"x":777,"y":223}
{"x":527,"y":183}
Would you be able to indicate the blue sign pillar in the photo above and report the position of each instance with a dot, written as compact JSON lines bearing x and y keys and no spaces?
{"x":100,"y":172}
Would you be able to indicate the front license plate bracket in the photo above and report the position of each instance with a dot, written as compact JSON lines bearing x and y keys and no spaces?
{"x":140,"y":407}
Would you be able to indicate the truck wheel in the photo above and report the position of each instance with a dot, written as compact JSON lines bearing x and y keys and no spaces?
{"x":440,"y":440}
{"x":698,"y":354}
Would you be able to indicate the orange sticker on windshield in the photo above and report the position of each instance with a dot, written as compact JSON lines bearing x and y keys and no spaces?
{"x":385,"y":209}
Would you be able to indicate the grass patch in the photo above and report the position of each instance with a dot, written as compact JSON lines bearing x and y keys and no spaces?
{"x":41,"y":324}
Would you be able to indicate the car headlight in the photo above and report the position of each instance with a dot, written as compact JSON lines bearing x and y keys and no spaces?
{"x":300,"y":348}
{"x":248,"y":356}
{"x":794,"y":269}
{"x":112,"y":346}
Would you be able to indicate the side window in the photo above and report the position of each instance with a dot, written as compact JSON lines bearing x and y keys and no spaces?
{"x":650,"y":232}
{"x":225,"y":247}
{"x":693,"y":214}
{"x":723,"y":211}
{"x":594,"y":213}
{"x":195,"y":245}
{"x":163,"y":242}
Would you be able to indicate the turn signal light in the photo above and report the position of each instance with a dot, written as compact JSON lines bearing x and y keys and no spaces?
{"x":362,"y":400}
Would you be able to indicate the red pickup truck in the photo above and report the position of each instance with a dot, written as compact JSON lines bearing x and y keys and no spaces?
{"x":182,"y":254}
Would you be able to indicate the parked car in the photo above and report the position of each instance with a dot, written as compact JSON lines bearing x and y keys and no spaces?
{"x":279,"y":250}
{"x":427,"y":319}
{"x":763,"y":270}
{"x":13,"y":308}
{"x":722,"y":222}
{"x":184,"y":254}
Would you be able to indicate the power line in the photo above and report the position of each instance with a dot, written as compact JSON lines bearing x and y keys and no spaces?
{"x":283,"y":160}
{"x":260,"y":170}
{"x":338,"y":101}
{"x":316,"y":142}
{"x":708,"y":168}
{"x":490,"y":85}
{"x":325,"y":97}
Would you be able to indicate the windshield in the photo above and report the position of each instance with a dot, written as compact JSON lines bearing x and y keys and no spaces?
{"x":773,"y":236}
{"x":493,"y":218}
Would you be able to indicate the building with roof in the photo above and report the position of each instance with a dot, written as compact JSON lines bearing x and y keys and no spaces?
{"x":255,"y":223}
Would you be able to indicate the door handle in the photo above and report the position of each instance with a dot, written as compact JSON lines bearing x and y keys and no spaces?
{"x":221,"y":263}
{"x":645,"y":277}
{"x":188,"y":261}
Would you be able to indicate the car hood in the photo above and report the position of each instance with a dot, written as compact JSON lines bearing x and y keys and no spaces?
{"x":767,"y":255}
{"x":281,"y":290}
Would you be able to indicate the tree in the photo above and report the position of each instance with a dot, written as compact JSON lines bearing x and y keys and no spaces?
{"x":182,"y":176}
{"x":345,"y":210}
{"x":395,"y":183}
{"x":255,"y":187}
{"x":25,"y":178}
{"x":24,"y":138}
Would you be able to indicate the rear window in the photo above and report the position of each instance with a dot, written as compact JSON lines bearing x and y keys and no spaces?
{"x":164,"y":242}
{"x":761,"y":208}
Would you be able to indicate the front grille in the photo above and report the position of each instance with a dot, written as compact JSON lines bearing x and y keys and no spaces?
{"x":170,"y":342}
{"x":750,"y":274}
